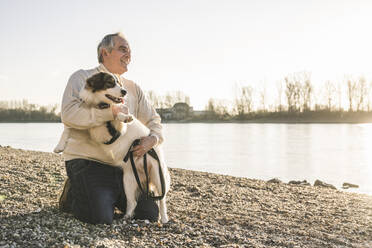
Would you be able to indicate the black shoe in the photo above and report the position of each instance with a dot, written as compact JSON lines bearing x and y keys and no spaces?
{"x":64,"y":203}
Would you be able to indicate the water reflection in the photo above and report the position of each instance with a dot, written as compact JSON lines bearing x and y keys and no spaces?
{"x":334,"y":153}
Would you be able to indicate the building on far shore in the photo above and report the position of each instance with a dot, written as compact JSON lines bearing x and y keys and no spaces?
{"x":180,"y":111}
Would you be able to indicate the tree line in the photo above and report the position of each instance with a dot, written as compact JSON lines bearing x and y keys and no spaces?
{"x":294,"y":98}
{"x":167,"y":100}
{"x":23,"y":111}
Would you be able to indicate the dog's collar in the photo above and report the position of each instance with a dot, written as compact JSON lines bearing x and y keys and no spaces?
{"x":103,"y":105}
{"x":113,"y":132}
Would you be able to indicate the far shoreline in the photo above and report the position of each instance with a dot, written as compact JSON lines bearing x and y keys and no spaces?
{"x":1,"y":121}
{"x":268,"y":122}
{"x":230,"y":121}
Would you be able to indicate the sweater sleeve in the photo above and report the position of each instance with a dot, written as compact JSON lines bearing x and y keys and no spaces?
{"x":74,"y":112}
{"x":148,"y":116}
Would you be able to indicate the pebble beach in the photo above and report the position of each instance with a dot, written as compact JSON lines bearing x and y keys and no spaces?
{"x":205,"y":210}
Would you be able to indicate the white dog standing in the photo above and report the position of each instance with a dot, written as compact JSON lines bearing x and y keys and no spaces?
{"x":101,"y":89}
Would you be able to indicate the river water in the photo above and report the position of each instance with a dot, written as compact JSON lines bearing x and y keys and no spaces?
{"x":334,"y":153}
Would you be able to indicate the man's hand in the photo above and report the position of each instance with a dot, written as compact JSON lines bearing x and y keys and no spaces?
{"x":145,"y":145}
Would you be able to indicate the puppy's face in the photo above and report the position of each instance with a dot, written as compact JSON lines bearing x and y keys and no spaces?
{"x":102,"y":87}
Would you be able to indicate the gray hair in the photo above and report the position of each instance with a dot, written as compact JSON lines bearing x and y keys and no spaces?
{"x":108,"y":44}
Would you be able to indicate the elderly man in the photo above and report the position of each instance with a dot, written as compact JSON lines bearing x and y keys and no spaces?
{"x":94,"y":187}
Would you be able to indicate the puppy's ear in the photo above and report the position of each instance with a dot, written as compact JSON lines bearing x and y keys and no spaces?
{"x":109,"y":80}
{"x":107,"y":77}
{"x":96,"y":81}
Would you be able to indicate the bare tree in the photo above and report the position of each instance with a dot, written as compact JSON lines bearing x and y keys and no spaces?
{"x":298,"y":91}
{"x":329,"y":93}
{"x":222,"y":107}
{"x":290,"y":93}
{"x":168,"y":100}
{"x":369,"y":92}
{"x":211,"y":105}
{"x":306,"y":90}
{"x":262,"y":94}
{"x":361,"y":93}
{"x":339,"y":95}
{"x":351,"y":91}
{"x":279,"y":87}
{"x":218,"y":107}
{"x":244,"y":100}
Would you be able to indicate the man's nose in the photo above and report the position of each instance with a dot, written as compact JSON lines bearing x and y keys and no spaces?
{"x":123,"y":92}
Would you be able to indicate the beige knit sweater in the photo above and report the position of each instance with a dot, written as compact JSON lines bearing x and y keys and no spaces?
{"x":78,"y":117}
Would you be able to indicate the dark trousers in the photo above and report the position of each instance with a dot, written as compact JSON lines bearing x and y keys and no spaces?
{"x":96,"y":189}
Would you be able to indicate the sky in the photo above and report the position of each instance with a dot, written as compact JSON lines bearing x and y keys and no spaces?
{"x":204,"y":48}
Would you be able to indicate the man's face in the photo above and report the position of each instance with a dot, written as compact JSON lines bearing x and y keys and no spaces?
{"x":118,"y":59}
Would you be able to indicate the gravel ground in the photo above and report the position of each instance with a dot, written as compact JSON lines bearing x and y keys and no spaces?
{"x":206,"y":210}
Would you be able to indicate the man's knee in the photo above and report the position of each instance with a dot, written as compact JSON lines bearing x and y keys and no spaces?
{"x":94,"y":213}
{"x":94,"y":191}
{"x":103,"y":217}
{"x":102,"y":206}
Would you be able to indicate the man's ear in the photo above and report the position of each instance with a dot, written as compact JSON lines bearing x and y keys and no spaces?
{"x":105,"y":53}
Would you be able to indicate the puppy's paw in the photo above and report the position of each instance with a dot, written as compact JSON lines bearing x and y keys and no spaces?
{"x":128,"y":216}
{"x":164,"y":219}
{"x":124,"y":118}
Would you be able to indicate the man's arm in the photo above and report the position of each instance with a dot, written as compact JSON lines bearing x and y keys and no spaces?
{"x":150,"y":118}
{"x":74,"y":112}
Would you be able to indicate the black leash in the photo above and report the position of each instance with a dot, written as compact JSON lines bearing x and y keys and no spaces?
{"x":115,"y":135}
{"x":153,"y":154}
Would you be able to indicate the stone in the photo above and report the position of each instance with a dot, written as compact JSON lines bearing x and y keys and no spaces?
{"x":319,"y":183}
{"x":349,"y":185}
{"x":304,"y":182}
{"x":274,"y":180}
